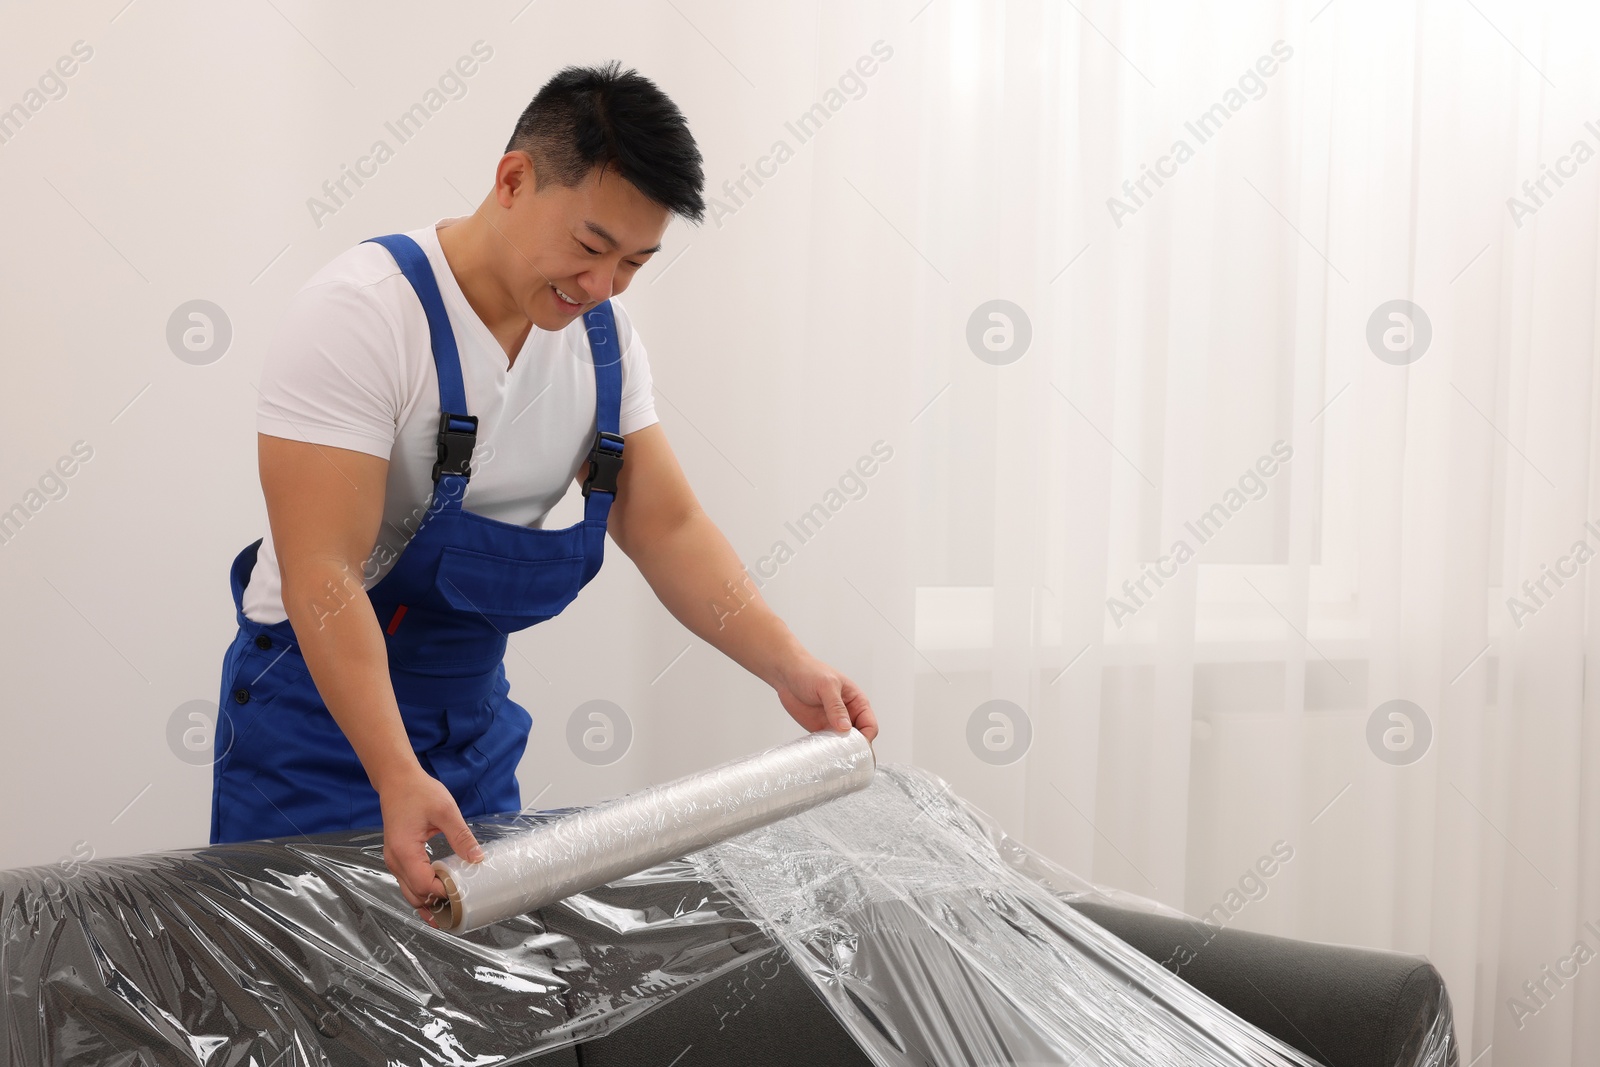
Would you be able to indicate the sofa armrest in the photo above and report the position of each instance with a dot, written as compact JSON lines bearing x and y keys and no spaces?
{"x":1346,"y":1007}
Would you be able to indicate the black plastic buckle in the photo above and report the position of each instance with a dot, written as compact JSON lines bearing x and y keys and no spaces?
{"x":604,"y":464}
{"x":455,"y":446}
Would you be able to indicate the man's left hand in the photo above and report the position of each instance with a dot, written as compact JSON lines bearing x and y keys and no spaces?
{"x":816,"y":696}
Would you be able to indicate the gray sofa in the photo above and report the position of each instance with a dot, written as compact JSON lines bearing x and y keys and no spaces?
{"x":299,"y":950}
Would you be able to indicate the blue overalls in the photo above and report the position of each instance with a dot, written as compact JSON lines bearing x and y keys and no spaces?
{"x":282,"y":765}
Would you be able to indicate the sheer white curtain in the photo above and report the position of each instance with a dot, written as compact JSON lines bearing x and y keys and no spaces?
{"x":1223,"y":713}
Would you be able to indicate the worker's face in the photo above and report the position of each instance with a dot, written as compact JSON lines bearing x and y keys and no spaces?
{"x":587,"y":241}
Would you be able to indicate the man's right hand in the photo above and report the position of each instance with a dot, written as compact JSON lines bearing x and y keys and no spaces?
{"x":415,"y":807}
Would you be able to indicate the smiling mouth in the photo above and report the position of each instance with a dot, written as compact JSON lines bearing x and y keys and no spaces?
{"x":566,"y":302}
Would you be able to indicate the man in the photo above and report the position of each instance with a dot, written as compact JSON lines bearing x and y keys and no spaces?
{"x":429,"y":399}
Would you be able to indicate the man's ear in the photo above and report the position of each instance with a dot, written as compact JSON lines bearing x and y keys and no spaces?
{"x":514,"y":177}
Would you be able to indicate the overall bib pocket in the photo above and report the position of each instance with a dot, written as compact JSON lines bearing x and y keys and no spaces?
{"x":472,"y":581}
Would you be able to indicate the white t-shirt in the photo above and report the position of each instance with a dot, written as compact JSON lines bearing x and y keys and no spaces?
{"x":351,"y":367}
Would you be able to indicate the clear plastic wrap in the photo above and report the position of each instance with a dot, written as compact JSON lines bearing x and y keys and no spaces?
{"x":1425,"y":1039}
{"x":930,"y":948}
{"x":931,"y":936}
{"x":302,"y":951}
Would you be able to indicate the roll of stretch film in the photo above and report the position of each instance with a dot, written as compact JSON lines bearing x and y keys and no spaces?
{"x":630,"y":833}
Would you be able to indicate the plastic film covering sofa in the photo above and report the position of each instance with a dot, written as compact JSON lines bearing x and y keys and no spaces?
{"x":897,"y":925}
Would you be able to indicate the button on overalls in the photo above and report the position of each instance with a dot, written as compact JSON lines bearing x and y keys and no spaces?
{"x":282,"y":765}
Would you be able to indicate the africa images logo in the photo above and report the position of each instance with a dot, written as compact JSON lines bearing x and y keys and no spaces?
{"x":1252,"y":85}
{"x":337,"y":192}
{"x":1252,"y":485}
{"x":851,"y":85}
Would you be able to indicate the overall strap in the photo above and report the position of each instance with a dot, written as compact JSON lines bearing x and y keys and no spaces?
{"x":457,"y":430}
{"x":605,"y":456}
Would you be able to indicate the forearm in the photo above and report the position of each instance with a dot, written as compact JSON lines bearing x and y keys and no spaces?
{"x":343,"y":646}
{"x":696,"y":574}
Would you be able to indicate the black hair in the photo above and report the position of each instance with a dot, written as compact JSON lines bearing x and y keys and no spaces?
{"x":594,"y":116}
